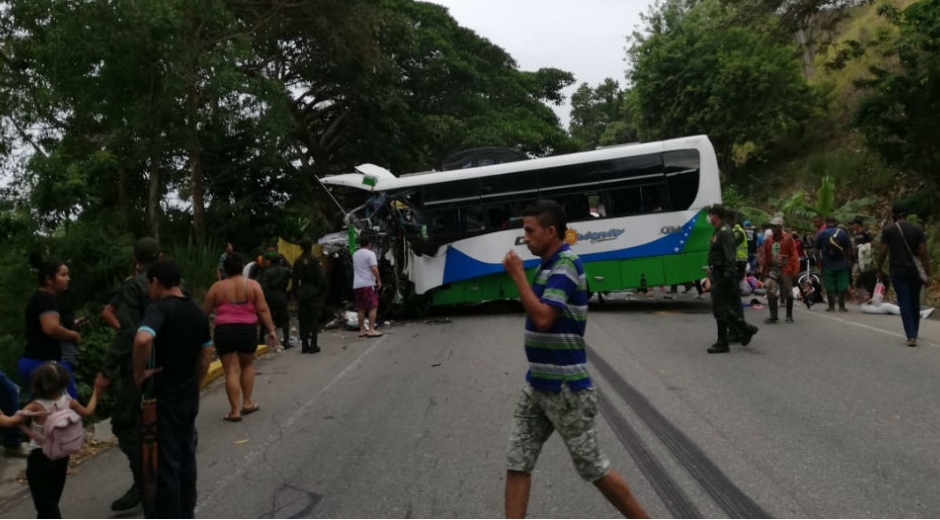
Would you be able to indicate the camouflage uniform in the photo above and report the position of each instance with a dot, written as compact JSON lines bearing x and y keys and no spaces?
{"x":537,"y":415}
{"x":130,"y":304}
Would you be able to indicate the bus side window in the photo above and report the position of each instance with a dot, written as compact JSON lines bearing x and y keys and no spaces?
{"x":625,"y":201}
{"x":577,"y":206}
{"x":473,"y":219}
{"x":683,"y":175}
{"x":654,"y":199}
{"x":442,"y":221}
{"x":498,"y":216}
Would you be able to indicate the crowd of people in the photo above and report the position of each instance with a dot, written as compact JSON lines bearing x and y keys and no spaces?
{"x":154,"y":367}
{"x":777,"y":262}
{"x":164,"y":343}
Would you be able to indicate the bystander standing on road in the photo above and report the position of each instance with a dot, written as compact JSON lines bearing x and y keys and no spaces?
{"x":130,"y":304}
{"x":861,"y":254}
{"x":751,"y":235}
{"x":46,"y":469}
{"x":740,"y":241}
{"x":309,"y":286}
{"x":220,"y":271}
{"x":780,"y":271}
{"x":44,"y":328}
{"x":366,"y":284}
{"x":558,"y":394}
{"x":835,"y":247}
{"x":239,"y":305}
{"x":12,"y":440}
{"x":274,"y":282}
{"x":906,"y":243}
{"x":172,"y":352}
{"x":725,"y":287}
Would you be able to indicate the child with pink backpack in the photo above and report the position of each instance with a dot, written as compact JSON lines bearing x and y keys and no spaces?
{"x":54,"y":423}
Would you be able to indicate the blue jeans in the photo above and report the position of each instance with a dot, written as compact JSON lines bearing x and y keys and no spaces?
{"x":908,"y":290}
{"x":9,"y":403}
{"x":26,"y":366}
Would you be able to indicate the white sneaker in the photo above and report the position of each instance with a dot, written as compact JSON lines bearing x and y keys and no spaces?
{"x":924,"y":314}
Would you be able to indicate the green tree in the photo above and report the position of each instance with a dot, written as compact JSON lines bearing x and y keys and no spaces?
{"x":694,"y":73}
{"x":812,"y":24}
{"x":798,"y":209}
{"x":897,"y":114}
{"x":599,"y":116}
{"x":443,"y":88}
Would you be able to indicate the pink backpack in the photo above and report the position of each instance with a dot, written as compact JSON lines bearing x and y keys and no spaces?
{"x":63,"y":432}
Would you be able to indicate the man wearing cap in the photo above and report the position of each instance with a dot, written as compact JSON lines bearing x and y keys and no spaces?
{"x":835,"y":248}
{"x":724,"y":281}
{"x":131,"y":302}
{"x":907,"y":245}
{"x":780,"y":270}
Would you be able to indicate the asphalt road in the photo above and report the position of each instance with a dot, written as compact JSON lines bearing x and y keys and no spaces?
{"x":829,"y":417}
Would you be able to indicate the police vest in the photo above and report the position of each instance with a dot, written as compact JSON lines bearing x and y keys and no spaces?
{"x":740,"y":238}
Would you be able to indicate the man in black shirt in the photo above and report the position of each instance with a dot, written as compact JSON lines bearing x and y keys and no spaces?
{"x":907,"y":244}
{"x":172,"y":350}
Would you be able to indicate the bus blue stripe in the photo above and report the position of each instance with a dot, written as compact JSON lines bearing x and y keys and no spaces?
{"x":461,"y":266}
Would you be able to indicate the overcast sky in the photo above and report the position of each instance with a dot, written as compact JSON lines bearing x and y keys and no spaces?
{"x":584,"y":37}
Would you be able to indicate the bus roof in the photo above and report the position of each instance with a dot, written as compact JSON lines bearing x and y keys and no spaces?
{"x":370,"y":177}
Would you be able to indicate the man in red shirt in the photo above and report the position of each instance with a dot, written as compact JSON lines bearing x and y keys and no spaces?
{"x":780,"y":270}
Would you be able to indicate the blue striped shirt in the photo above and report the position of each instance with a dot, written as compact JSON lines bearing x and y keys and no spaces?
{"x":557,"y":355}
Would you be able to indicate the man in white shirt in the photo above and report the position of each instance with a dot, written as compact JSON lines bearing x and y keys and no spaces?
{"x":366,"y":283}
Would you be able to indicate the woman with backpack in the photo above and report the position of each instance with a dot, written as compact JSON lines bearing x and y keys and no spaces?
{"x":45,"y":329}
{"x":55,"y":427}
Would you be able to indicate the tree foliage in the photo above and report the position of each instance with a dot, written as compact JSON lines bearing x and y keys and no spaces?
{"x":232,"y":108}
{"x":600,"y":116}
{"x":693,"y":72}
{"x":208,"y":121}
{"x":897,"y":115}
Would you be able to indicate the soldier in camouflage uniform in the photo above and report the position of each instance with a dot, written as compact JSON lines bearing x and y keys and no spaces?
{"x":130,"y":303}
{"x":724,"y":280}
{"x":309,"y":284}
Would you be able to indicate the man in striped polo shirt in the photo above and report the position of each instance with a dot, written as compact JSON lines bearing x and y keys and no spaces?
{"x":558,"y":394}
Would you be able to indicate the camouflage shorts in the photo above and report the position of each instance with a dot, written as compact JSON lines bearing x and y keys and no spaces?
{"x":539,"y":413}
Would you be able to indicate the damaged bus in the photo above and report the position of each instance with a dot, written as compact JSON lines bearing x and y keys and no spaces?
{"x":635,"y":217}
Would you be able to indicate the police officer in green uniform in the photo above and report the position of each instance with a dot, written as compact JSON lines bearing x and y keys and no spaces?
{"x":274,"y":282}
{"x":131,"y":301}
{"x":309,"y":283}
{"x":740,"y":262}
{"x":724,"y":279}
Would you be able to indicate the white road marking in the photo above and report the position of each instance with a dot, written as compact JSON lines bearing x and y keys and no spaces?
{"x":920,"y":342}
{"x":274,"y":437}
